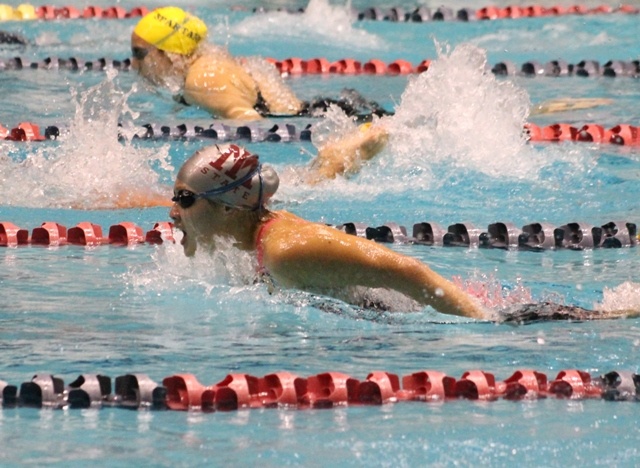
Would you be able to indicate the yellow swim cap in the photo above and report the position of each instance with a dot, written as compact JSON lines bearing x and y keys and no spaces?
{"x":172,"y":29}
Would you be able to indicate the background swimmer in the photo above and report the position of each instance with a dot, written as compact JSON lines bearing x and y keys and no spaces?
{"x":169,"y":49}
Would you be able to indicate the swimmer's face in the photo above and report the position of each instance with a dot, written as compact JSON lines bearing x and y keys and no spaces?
{"x":149,"y":61}
{"x":199,"y":221}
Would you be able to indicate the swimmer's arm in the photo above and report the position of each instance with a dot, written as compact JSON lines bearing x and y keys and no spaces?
{"x":125,"y":199}
{"x":318,"y":257}
{"x":141,"y":199}
{"x":280,"y":99}
{"x":344,"y":156}
{"x":222,"y":88}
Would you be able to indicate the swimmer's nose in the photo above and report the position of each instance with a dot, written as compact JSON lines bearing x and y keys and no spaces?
{"x":174,"y":213}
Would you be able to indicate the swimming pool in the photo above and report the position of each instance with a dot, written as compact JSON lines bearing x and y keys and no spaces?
{"x":146,"y":309}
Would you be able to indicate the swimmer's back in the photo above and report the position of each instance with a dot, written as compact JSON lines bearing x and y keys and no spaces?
{"x":218,"y":84}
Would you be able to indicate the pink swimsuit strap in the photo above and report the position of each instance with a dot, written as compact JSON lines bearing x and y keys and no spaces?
{"x":259,"y":246}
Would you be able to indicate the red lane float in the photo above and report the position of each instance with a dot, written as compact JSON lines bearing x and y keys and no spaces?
{"x":184,"y":392}
{"x":49,"y":12}
{"x":12,"y":236}
{"x":85,"y":233}
{"x":428,"y":385}
{"x":621,"y":134}
{"x":525,"y":384}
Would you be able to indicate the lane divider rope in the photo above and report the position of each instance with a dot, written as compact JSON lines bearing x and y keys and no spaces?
{"x":423,"y":14}
{"x":420,"y":14}
{"x":349,"y":66}
{"x":537,"y":236}
{"x":183,"y":392}
{"x":28,"y":12}
{"x":620,"y":134}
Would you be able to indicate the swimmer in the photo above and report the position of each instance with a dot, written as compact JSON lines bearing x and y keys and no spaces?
{"x":222,"y":191}
{"x":169,"y":49}
{"x":7,"y":37}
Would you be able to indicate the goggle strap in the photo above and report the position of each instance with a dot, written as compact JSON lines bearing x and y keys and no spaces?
{"x":232,"y":185}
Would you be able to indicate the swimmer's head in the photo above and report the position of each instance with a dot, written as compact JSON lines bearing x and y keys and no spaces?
{"x":230,"y":175}
{"x":172,"y":29}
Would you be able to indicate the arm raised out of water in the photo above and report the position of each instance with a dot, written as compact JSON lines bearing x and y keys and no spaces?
{"x":314,"y":257}
{"x":345,"y":155}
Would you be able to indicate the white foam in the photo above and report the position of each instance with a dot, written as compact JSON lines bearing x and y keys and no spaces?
{"x":625,"y":296}
{"x":87,"y":167}
{"x":321,"y":23}
{"x":456,"y":116}
{"x":171,"y":270}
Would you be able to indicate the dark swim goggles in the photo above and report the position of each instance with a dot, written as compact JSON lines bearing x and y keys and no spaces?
{"x":139,"y":53}
{"x":186,"y":198}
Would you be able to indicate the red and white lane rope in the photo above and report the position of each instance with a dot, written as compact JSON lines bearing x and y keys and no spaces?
{"x":620,"y":134}
{"x":296,"y":66}
{"x":183,"y":392}
{"x":418,"y":14}
{"x":535,"y":236}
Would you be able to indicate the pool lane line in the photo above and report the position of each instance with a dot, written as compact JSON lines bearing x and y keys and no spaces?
{"x":418,"y":14}
{"x":29,"y":12}
{"x":257,"y":132}
{"x":183,"y":392}
{"x":424,"y":14}
{"x":536,"y":237}
{"x":296,"y":66}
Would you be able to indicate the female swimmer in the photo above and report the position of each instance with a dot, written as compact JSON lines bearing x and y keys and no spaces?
{"x":169,"y":49}
{"x":222,"y":191}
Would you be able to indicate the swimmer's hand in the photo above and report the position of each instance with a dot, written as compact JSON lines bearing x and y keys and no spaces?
{"x":550,"y":312}
{"x":568,"y":104}
{"x":345,"y":155}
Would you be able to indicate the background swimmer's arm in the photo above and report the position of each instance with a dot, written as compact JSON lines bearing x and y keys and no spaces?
{"x":126,"y":199}
{"x":279,"y":98}
{"x":344,"y":156}
{"x":141,"y":199}
{"x":568,"y":104}
{"x":221,"y":87}
{"x":314,"y":257}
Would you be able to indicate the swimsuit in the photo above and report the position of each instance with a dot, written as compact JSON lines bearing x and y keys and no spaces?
{"x":259,"y":247}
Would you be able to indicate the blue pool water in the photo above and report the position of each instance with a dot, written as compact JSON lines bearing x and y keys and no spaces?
{"x":147,"y":309}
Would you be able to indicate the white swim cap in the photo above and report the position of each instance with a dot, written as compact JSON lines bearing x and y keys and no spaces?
{"x":231,"y":175}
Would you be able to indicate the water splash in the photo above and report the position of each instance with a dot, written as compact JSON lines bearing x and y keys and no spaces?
{"x":87,"y":168}
{"x":225,"y":270}
{"x":321,"y":23}
{"x":625,"y":296}
{"x":458,"y":113}
{"x":455,"y":116}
